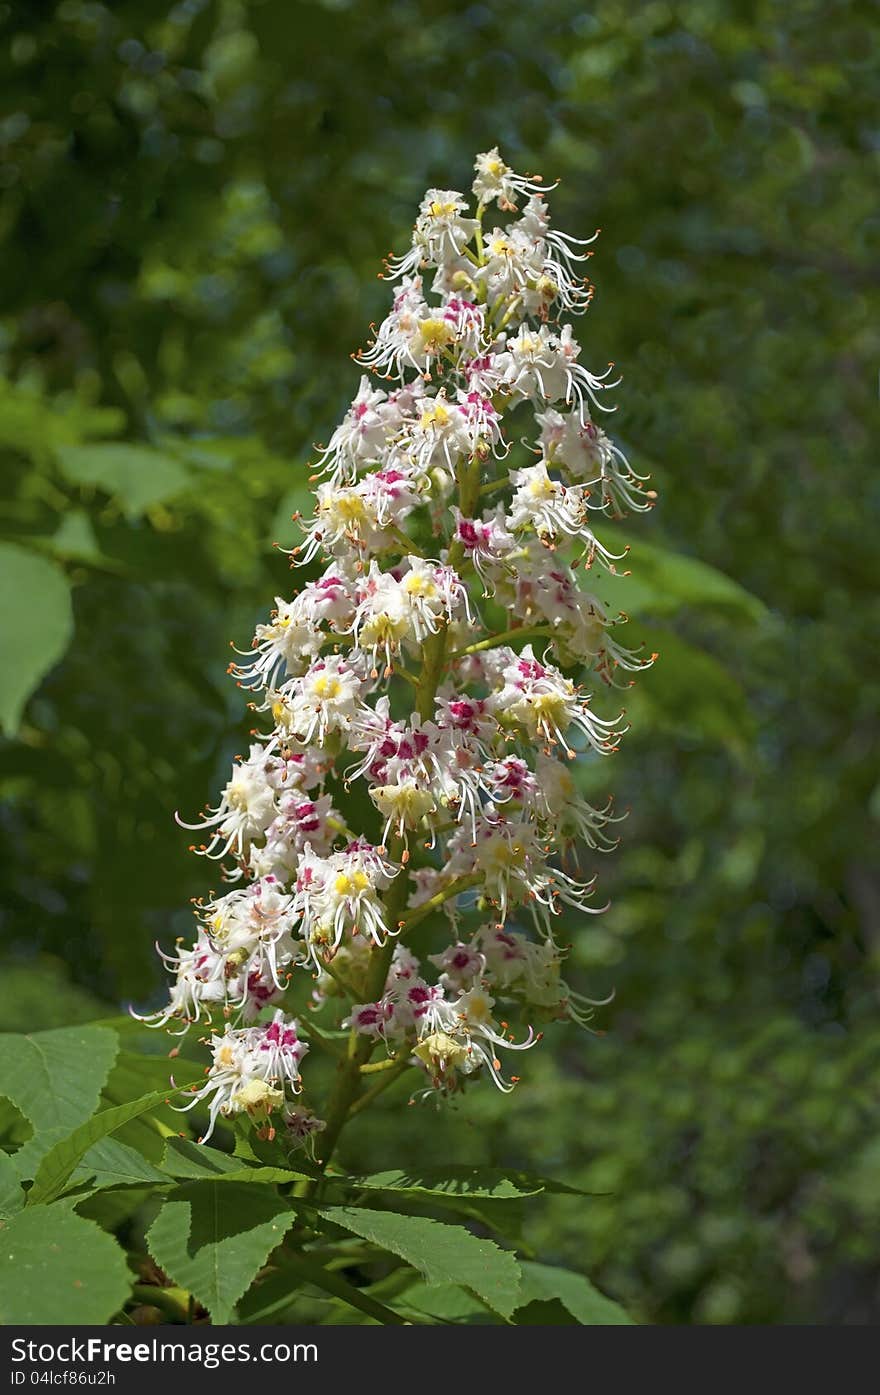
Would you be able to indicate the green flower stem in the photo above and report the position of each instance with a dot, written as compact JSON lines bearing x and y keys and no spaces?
{"x":385,"y":1079}
{"x":520,"y":632}
{"x":492,"y":486}
{"x":439,"y":898}
{"x":405,"y":673}
{"x":408,"y":547}
{"x":388,"y":1064}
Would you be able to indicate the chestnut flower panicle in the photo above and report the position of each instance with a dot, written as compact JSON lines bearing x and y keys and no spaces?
{"x":444,"y":655}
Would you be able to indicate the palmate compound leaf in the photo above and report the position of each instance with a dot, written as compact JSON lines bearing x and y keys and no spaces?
{"x":36,"y":623}
{"x":441,"y":1253}
{"x":58,"y":1164}
{"x":213,"y":1238}
{"x":55,"y":1079}
{"x":56,"y":1267}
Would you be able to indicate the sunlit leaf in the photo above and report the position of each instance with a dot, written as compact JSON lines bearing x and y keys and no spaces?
{"x":55,"y":1079}
{"x":59,"y":1269}
{"x":441,"y":1253}
{"x":213,"y":1240}
{"x":59,"y":1162}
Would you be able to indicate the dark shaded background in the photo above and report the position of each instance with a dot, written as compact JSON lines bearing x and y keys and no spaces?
{"x":195,"y":201}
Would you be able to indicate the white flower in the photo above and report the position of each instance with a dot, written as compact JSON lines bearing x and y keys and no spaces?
{"x":513,"y":264}
{"x":261,"y":912}
{"x":543,"y":364}
{"x":361,"y":437}
{"x":468,"y":323}
{"x":442,"y":433}
{"x":286,"y":645}
{"x":382,"y":620}
{"x":300,"y":820}
{"x":461,"y":1036}
{"x":545,"y":705}
{"x":582,"y":448}
{"x":325,"y":699}
{"x":200,"y":985}
{"x":246,"y":808}
{"x":460,"y":964}
{"x":339,"y":895}
{"x":252,"y":1068}
{"x":486,"y":542}
{"x":561,"y":803}
{"x":512,"y":860}
{"x":496,"y":180}
{"x":440,"y":233}
{"x":561,"y":256}
{"x":545,"y":506}
{"x":435,"y":595}
{"x":531,"y":971}
{"x":391,"y":350}
{"x":346,"y":520}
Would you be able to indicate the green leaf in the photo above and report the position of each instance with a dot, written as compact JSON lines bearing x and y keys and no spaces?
{"x":456,"y":1181}
{"x":59,"y":1268}
{"x":55,"y":1079}
{"x":441,"y":1253}
{"x":33,"y":424}
{"x":36,"y":623}
{"x":543,"y":1283}
{"x":183,"y":1158}
{"x":213,"y":1240}
{"x":663,"y":581}
{"x":74,"y":540}
{"x":312,"y":1272}
{"x":138,"y":476}
{"x":195,"y":1160}
{"x":134,"y":1074}
{"x":59,"y":1162}
{"x":11,"y":1190}
{"x":111,"y":1163}
{"x":445,"y":1302}
{"x":268,"y":1299}
{"x":112,"y":1207}
{"x":689,"y":692}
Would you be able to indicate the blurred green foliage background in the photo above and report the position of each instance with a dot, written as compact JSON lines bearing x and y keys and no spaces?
{"x":195,"y":200}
